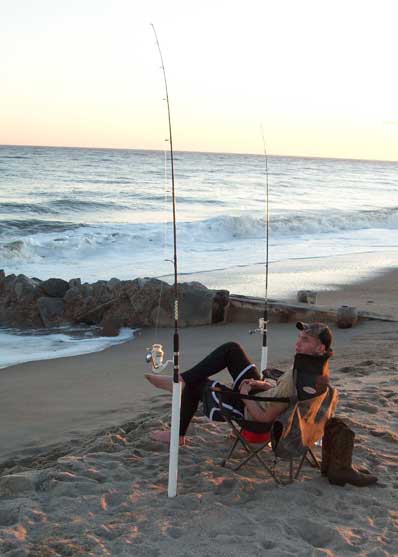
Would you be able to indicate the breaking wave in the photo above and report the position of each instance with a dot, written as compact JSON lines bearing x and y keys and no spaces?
{"x":37,"y":239}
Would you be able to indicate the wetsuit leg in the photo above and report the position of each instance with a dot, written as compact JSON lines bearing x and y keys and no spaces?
{"x":229,"y":355}
{"x":191,"y":396}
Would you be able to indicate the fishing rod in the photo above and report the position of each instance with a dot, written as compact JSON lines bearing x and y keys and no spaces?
{"x":263,"y":321}
{"x":177,"y":387}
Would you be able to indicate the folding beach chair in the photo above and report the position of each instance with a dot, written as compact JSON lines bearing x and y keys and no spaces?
{"x":290,"y":437}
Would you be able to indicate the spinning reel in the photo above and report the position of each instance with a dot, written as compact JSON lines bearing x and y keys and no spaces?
{"x":154,"y":356}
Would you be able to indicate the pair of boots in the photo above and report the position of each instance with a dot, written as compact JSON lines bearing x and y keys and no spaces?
{"x":337,"y":449}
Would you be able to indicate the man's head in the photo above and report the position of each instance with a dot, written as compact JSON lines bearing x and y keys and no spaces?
{"x":314,"y":338}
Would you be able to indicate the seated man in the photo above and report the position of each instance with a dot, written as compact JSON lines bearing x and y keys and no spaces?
{"x":310,"y":375}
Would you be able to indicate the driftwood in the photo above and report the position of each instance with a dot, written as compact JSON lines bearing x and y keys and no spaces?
{"x":244,"y":309}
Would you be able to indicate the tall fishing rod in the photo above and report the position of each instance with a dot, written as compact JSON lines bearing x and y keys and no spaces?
{"x":264,"y":322}
{"x":176,"y":400}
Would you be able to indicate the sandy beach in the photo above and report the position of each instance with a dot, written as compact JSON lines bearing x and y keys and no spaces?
{"x":81,"y":476}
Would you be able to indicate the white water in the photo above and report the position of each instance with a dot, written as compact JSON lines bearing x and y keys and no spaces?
{"x":18,"y":348}
{"x":95,"y":213}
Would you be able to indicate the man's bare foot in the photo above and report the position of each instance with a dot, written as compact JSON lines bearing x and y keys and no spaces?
{"x":164,"y":382}
{"x":164,"y":437}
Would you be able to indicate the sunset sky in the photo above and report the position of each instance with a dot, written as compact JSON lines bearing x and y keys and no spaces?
{"x":320,"y":76}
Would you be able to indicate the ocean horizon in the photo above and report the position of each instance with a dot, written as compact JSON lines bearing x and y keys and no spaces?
{"x":298,"y":156}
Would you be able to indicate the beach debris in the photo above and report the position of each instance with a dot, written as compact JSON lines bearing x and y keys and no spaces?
{"x":307,"y":296}
{"x":346,"y":317}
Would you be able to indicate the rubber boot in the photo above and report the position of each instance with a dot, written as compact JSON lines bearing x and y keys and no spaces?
{"x":331,"y":428}
{"x":340,"y":470}
{"x":326,"y":444}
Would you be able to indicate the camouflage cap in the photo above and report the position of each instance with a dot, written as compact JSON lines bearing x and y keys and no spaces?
{"x":317,"y":330}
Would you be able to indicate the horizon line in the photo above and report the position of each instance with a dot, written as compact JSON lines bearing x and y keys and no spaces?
{"x":200,"y":152}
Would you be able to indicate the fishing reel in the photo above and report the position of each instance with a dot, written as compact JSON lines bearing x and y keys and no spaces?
{"x":262,"y":325}
{"x":154,"y":356}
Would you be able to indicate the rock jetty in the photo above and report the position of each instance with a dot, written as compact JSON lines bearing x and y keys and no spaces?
{"x":143,"y":302}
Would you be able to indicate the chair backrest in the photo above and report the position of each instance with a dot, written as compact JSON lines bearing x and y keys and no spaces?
{"x":302,"y":424}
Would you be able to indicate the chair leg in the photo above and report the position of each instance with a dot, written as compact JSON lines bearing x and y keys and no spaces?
{"x":225,"y":460}
{"x":251,"y":452}
{"x":300,"y":465}
{"x":315,"y":461}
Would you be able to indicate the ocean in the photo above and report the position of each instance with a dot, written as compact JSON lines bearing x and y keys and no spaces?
{"x":103,"y":213}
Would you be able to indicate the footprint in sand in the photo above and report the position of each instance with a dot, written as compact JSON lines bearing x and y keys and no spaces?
{"x":314,"y":533}
{"x":225,"y":486}
{"x":267,"y":544}
{"x":387,"y":435}
{"x":175,"y":532}
{"x":347,"y":369}
{"x":390,"y":394}
{"x":365,"y":407}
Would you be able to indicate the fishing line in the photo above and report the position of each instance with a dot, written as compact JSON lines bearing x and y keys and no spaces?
{"x":164,"y":240}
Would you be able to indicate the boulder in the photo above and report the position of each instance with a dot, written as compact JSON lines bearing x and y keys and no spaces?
{"x":55,"y":287}
{"x":220,"y":304}
{"x":195,"y":305}
{"x":75,"y":282}
{"x":18,"y":296}
{"x":144,"y":296}
{"x":87,"y":303}
{"x":110,"y":327}
{"x":114,"y":283}
{"x":51,"y":310}
{"x":26,"y":289}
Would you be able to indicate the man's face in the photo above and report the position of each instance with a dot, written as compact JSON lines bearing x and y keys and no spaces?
{"x":307,"y":344}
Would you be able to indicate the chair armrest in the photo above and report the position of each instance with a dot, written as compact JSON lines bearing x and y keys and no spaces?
{"x":272,"y":373}
{"x":233,"y":394}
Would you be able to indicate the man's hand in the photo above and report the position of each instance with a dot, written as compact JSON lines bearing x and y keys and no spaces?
{"x":248,"y":384}
{"x":245,"y":387}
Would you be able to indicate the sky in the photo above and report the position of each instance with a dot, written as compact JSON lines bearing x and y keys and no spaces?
{"x":319,"y":76}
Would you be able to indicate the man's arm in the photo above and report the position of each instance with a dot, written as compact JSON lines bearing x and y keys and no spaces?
{"x":257,"y":413}
{"x":256,"y":384}
{"x":264,"y":416}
